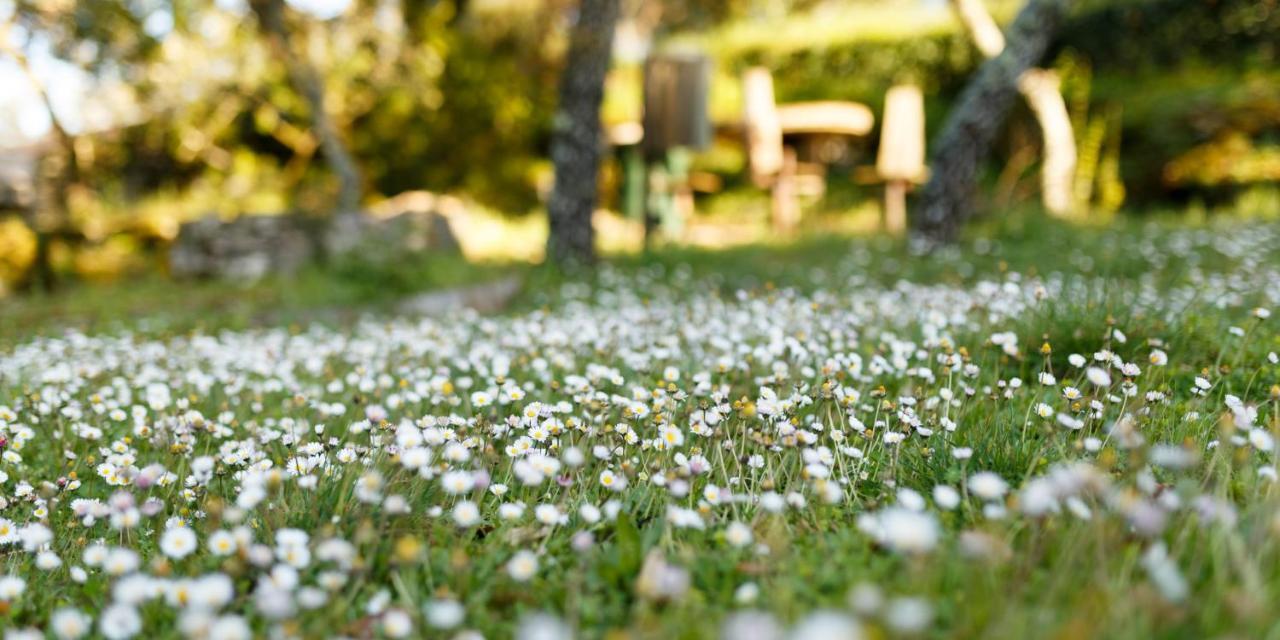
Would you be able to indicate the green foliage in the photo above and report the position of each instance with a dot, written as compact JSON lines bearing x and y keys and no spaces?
{"x":620,"y":559}
{"x":1147,"y":80}
{"x":862,"y":71}
{"x":459,"y":96}
{"x":1097,"y":182}
{"x":1124,"y":36}
{"x":479,"y":113}
{"x":444,"y":101}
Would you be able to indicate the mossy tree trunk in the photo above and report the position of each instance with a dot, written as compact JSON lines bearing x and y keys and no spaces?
{"x":577,"y":142}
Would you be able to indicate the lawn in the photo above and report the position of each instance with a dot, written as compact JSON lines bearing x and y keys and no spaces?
{"x":1049,"y":431}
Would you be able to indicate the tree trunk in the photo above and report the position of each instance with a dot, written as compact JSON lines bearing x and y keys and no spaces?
{"x":576,"y":142}
{"x":308,"y":84}
{"x":1040,"y":87}
{"x":975,"y":120}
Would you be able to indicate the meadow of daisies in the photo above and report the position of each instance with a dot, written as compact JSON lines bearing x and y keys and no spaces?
{"x":1061,"y":436}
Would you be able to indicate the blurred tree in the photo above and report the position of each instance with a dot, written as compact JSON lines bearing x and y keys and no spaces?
{"x":1041,"y":88}
{"x":305,"y":80}
{"x":103,"y":44}
{"x":577,"y":140}
{"x":91,"y":37}
{"x":976,"y":119}
{"x":47,"y":215}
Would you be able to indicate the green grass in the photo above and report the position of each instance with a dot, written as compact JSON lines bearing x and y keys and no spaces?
{"x":1164,"y":284}
{"x":335,"y":293}
{"x":351,"y":287}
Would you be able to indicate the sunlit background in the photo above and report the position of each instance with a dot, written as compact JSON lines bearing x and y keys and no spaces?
{"x":177,"y":110}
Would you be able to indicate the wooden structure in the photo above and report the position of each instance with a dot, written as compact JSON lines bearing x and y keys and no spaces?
{"x":675,"y":102}
{"x":768,"y":125}
{"x":900,"y":162}
{"x":656,"y":153}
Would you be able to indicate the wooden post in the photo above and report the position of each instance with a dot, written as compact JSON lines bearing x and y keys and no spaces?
{"x":771,"y":163}
{"x":895,"y":206}
{"x":764,"y":131}
{"x":785,"y":209}
{"x":900,"y":161}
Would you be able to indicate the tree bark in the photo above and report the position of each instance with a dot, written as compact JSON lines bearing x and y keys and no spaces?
{"x":308,"y":84}
{"x":974,"y":122}
{"x":1041,"y":88}
{"x":576,"y":142}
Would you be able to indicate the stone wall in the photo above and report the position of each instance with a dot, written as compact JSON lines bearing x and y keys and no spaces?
{"x":252,"y":246}
{"x":246,"y":248}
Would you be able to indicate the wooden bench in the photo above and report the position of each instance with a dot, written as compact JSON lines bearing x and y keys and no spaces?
{"x":773,"y":163}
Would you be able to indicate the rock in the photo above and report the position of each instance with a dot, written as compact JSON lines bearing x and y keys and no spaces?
{"x":252,"y":246}
{"x":19,"y":169}
{"x":246,"y":248}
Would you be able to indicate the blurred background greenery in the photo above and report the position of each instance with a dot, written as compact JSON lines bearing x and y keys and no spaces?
{"x":169,"y":110}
